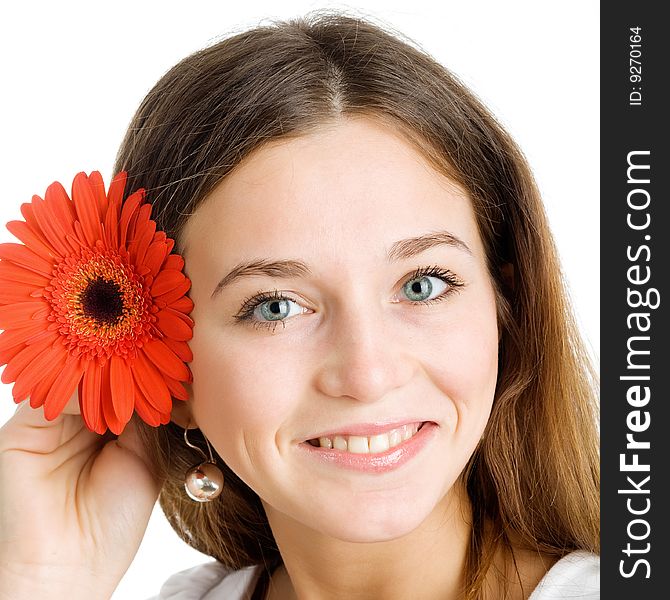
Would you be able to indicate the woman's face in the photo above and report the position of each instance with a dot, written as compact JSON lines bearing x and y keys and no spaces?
{"x":341,"y":291}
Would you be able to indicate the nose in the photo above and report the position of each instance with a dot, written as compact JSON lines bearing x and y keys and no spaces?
{"x":365,"y":359}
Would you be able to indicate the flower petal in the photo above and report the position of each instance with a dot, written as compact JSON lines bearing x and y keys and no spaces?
{"x":49,"y":226}
{"x":61,"y":207}
{"x":22,"y":231}
{"x":146,"y":412}
{"x":174,"y":295}
{"x":80,"y":237}
{"x":86,"y":206}
{"x":171,"y":325}
{"x":183,"y":305}
{"x":9,"y":354}
{"x":174,"y":261}
{"x":115,"y":193}
{"x":34,"y":372}
{"x":128,"y":210}
{"x":26,"y":258}
{"x":166,"y":360}
{"x":115,"y":198}
{"x":25,"y":357}
{"x":15,"y":337}
{"x":109,"y":415}
{"x":17,"y":292}
{"x":155,"y":255}
{"x":151,"y":383}
{"x":12,"y":272}
{"x":181,"y":349}
{"x":142,"y":216}
{"x":181,"y":316}
{"x":177,"y":390}
{"x":19,"y":314}
{"x":122,"y":389}
{"x":166,"y":281}
{"x":37,"y":336}
{"x":98,"y":189}
{"x":28,"y":212}
{"x":42,"y":313}
{"x":63,"y":387}
{"x":90,"y":400}
{"x":141,"y":243}
{"x":39,"y":392}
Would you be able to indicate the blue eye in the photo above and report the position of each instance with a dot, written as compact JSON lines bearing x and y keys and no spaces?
{"x":269,"y":309}
{"x":425,"y":286}
{"x":420,"y":289}
{"x":276,"y":309}
{"x":431,"y":284}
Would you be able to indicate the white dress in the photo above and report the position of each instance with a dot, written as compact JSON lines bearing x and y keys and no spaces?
{"x":576,"y":575}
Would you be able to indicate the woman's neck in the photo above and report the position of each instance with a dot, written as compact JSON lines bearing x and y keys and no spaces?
{"x":424,"y":564}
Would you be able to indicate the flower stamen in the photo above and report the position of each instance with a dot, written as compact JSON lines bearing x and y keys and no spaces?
{"x":102,"y":301}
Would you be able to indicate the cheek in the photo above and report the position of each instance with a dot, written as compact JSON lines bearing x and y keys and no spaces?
{"x":465,"y":365}
{"x":239,"y":393}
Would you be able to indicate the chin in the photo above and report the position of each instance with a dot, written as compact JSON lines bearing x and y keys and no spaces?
{"x":368,"y":521}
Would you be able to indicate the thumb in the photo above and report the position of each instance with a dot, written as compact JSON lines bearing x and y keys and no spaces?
{"x":133,"y":442}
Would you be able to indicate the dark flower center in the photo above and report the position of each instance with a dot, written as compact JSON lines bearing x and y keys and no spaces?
{"x":102,"y":300}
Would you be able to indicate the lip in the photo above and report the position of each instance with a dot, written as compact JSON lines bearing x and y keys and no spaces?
{"x":380,"y":462}
{"x":366,"y":429}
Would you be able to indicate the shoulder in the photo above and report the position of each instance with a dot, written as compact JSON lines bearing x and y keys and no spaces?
{"x":209,"y":581}
{"x":576,"y":575}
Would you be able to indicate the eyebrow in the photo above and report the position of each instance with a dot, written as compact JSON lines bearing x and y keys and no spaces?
{"x":286,"y":269}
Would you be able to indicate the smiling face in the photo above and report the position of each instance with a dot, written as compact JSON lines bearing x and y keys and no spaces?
{"x":341,"y":289}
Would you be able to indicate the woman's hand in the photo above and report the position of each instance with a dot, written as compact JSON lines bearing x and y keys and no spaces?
{"x":74,"y":506}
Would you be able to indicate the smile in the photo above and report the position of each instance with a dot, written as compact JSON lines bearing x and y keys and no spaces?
{"x":375,"y":454}
{"x":357,"y":444}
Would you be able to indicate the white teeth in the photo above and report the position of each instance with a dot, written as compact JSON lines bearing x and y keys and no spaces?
{"x":376,"y":443}
{"x":395,"y":437}
{"x":339,"y":443}
{"x":357,"y":444}
{"x":379,"y":443}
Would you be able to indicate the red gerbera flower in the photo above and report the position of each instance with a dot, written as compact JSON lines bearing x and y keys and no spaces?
{"x":94,"y":298}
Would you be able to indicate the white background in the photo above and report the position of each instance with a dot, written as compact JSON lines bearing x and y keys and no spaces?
{"x":73,"y":74}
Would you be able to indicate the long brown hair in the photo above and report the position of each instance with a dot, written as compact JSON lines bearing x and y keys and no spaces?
{"x":534,"y":478}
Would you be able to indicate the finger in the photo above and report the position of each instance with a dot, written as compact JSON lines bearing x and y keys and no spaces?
{"x":22,"y":404}
{"x":126,"y":459}
{"x":29,"y":430}
{"x":131,"y":441}
{"x":32,"y":417}
{"x":72,"y":407}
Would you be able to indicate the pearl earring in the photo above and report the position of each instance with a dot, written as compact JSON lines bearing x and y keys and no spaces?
{"x":204,"y":481}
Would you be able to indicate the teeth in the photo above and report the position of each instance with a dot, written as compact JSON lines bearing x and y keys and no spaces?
{"x":339,"y":443}
{"x":379,"y":443}
{"x":363,"y":445}
{"x":357,"y":444}
{"x":395,"y":437}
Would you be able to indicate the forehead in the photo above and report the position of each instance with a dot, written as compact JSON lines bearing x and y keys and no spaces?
{"x":347,"y":190}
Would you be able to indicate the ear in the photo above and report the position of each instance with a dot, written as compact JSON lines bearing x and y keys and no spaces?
{"x":181,"y":410}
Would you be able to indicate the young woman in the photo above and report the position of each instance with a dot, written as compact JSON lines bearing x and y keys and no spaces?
{"x":385,"y":366}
